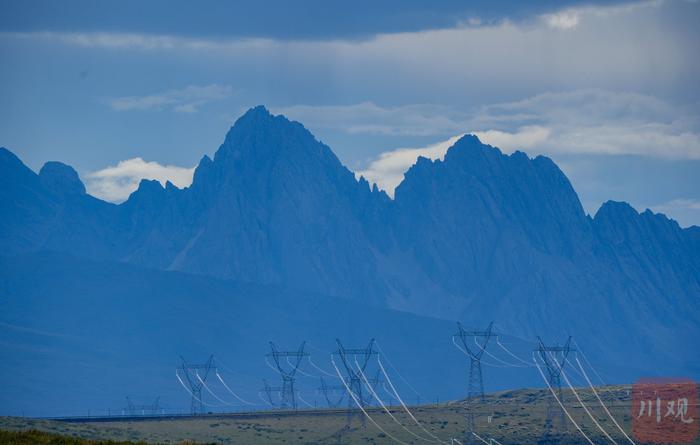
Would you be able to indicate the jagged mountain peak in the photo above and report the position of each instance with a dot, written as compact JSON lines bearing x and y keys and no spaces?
{"x":623,"y":220}
{"x":612,"y":208}
{"x":478,"y":235}
{"x":61,"y":178}
{"x":262,"y":135}
{"x":9,"y":162}
{"x":15,"y":175}
{"x":6,"y":155}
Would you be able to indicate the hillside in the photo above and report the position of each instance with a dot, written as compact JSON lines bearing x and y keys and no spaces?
{"x":478,"y":236}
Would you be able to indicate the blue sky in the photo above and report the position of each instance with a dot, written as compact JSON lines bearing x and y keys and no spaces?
{"x":124,"y":90}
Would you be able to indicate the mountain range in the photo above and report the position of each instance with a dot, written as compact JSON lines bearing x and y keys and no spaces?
{"x":477,"y":236}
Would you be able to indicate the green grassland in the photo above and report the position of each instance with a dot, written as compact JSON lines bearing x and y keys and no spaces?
{"x":510,"y":417}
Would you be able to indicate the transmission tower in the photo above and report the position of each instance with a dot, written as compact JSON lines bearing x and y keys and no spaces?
{"x":375,"y":382}
{"x":195,"y":376}
{"x":141,"y":410}
{"x":353,"y":374}
{"x":268,"y":390}
{"x":554,"y":359}
{"x":293,"y":360}
{"x":334,"y":394}
{"x":475,"y":349}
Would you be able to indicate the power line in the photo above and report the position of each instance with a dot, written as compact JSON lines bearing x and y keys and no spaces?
{"x":554,"y":358}
{"x":548,"y":439}
{"x":354,"y":383}
{"x":475,"y":390}
{"x":288,"y":394}
{"x":195,"y":382}
{"x":362,"y":408}
{"x":381,"y":403}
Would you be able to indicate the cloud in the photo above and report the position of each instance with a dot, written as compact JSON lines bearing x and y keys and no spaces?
{"x":116,"y":183}
{"x":562,"y":20}
{"x":586,"y":121}
{"x":636,"y":47}
{"x":525,"y":137}
{"x":143,"y":42}
{"x":369,"y":118}
{"x":595,"y":121}
{"x":691,"y":204}
{"x":684,"y":210}
{"x":570,"y":18}
{"x":581,"y":122}
{"x":186,"y":100}
{"x":388,"y":169}
{"x":274,"y":19}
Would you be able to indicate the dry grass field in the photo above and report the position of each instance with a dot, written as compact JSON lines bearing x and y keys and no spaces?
{"x":510,"y":417}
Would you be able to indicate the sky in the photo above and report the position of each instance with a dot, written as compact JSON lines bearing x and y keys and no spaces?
{"x":129,"y":90}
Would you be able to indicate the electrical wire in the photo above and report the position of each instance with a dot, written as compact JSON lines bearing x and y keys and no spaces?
{"x":359,"y":405}
{"x":498,"y":342}
{"x":526,"y":340}
{"x":388,"y":393}
{"x":320,"y":369}
{"x":601,"y":402}
{"x":481,"y":438}
{"x":304,"y":401}
{"x":266,"y":402}
{"x":585,"y":359}
{"x":230,"y":391}
{"x":381,"y":403}
{"x":469,"y":355}
{"x":534,"y":360}
{"x":220,"y":364}
{"x":300,"y":371}
{"x":192,"y":394}
{"x":583,"y":405}
{"x":267,"y":362}
{"x":212,"y":392}
{"x":381,"y":351}
{"x":398,"y":397}
{"x":483,"y":348}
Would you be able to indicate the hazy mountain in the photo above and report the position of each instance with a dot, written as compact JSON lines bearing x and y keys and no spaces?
{"x":477,"y":236}
{"x":82,"y":334}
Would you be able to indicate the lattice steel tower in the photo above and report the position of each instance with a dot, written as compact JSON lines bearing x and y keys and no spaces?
{"x":353,"y":374}
{"x":288,"y":372}
{"x":268,"y":390}
{"x":334,"y":394}
{"x":474,"y":349}
{"x":554,"y":359}
{"x":133,"y":409}
{"x":196,"y":375}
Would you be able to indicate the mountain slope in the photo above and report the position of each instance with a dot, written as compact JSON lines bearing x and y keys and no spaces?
{"x":475,"y":237}
{"x":82,"y":334}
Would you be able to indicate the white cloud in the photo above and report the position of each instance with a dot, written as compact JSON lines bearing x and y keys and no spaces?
{"x":685,"y":211}
{"x":369,"y":118}
{"x":612,"y":47}
{"x":570,"y":18}
{"x":590,"y":121}
{"x":525,"y":137}
{"x":595,"y":121}
{"x":142,"y":42}
{"x":678,"y":203}
{"x":185,"y":100}
{"x":116,"y":183}
{"x":562,"y":20}
{"x":387,"y":170}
